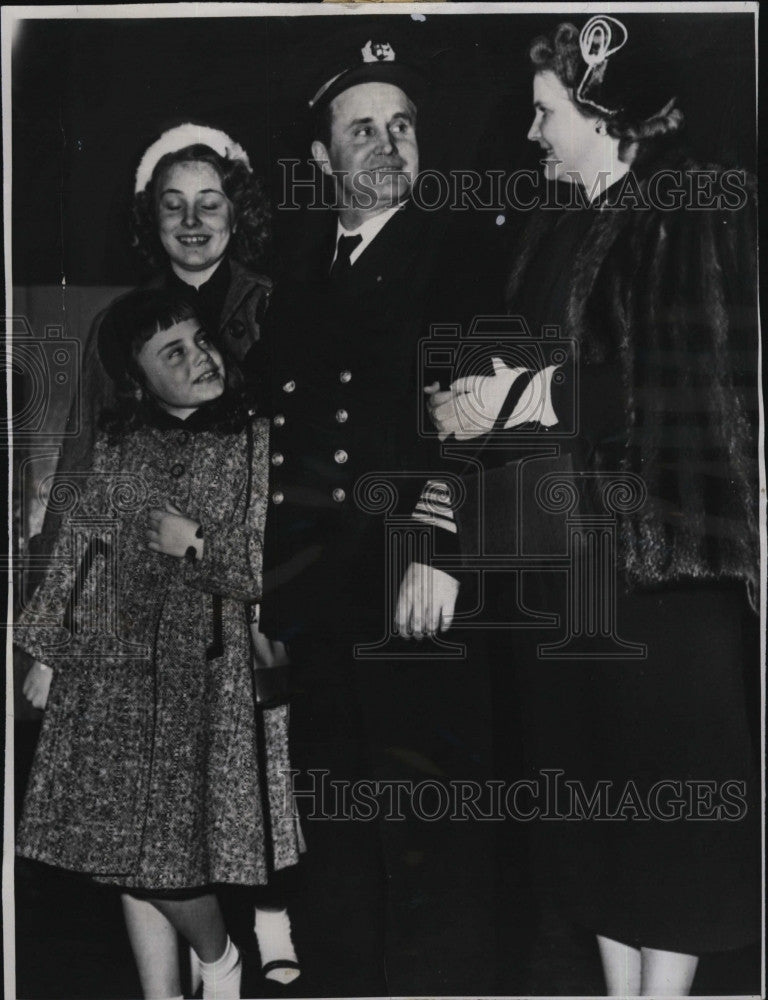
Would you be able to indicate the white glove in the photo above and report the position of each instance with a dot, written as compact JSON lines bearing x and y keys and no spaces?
{"x":472,"y":405}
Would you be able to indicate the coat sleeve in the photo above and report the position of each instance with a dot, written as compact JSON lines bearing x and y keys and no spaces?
{"x":231,"y":565}
{"x":93,"y":395}
{"x":42,"y":628}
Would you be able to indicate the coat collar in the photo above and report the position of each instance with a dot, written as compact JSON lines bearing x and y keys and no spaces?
{"x":241,"y":285}
{"x":242,"y":282}
{"x":393,"y":246}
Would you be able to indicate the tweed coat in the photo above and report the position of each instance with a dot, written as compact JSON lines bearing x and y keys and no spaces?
{"x":150,"y":771}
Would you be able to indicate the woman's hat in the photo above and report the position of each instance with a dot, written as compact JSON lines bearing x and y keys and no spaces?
{"x":625,"y":72}
{"x":188,"y":134}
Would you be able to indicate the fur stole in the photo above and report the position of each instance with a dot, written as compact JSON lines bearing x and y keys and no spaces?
{"x":674,"y":294}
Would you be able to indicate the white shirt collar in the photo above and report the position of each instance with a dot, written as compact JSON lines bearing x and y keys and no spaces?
{"x":368,"y":230}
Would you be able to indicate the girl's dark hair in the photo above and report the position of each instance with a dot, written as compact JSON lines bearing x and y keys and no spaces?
{"x":129,"y":323}
{"x":251,"y":240}
{"x":560,"y":53}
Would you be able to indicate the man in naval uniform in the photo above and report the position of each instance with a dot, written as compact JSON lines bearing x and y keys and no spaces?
{"x":349,"y":308}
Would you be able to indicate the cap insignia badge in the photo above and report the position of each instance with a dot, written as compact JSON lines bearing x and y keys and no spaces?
{"x":377,"y":52}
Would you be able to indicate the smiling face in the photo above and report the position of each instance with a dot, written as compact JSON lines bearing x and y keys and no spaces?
{"x":194,"y":217}
{"x":568,"y":138}
{"x":181,"y":368}
{"x":373,"y":146}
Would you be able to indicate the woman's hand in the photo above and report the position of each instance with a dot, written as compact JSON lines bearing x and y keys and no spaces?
{"x":173,"y":534}
{"x":471,"y":406}
{"x":441,"y":408}
{"x":37,"y":683}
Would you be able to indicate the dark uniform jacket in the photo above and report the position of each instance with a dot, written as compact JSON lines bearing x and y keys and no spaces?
{"x":346,"y":393}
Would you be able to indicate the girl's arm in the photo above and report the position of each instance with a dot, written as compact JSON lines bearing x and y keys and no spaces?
{"x":230,"y":563}
{"x":41,"y":628}
{"x":221,"y":557}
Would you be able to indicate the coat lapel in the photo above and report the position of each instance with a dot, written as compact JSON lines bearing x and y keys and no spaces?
{"x":242,"y":283}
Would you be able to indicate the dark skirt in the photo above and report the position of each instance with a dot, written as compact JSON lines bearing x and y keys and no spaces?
{"x":667,"y":855}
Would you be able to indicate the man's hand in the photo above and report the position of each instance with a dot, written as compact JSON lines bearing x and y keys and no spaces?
{"x":171,"y":533}
{"x":426,"y":601}
{"x":37,"y":683}
{"x":472,"y":405}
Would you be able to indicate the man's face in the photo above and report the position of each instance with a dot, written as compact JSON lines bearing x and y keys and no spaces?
{"x":373,"y":147}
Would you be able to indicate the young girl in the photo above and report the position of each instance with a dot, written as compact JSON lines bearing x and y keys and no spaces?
{"x":150,"y":770}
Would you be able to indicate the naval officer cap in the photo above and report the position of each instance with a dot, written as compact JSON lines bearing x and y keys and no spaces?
{"x":375,"y":55}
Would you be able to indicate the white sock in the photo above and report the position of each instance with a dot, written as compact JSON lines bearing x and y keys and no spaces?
{"x":273,"y":932}
{"x":195,"y":975}
{"x":221,"y":979}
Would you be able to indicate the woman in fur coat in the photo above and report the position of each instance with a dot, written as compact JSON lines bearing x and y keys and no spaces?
{"x":150,"y":773}
{"x":652,"y":838}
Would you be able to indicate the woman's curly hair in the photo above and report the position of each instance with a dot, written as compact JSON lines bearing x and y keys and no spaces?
{"x":560,"y":53}
{"x":251,"y":240}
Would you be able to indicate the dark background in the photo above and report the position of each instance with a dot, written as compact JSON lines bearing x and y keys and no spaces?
{"x":89,"y":95}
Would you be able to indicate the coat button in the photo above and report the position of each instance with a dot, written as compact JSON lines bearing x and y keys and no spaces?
{"x":341,"y":416}
{"x":278,"y":420}
{"x":236,"y":329}
{"x":278,"y":496}
{"x":345,"y":376}
{"x":277,"y":458}
{"x":339,"y":495}
{"x":177,"y":470}
{"x":183,"y":437}
{"x":340,"y":456}
{"x":289,"y":386}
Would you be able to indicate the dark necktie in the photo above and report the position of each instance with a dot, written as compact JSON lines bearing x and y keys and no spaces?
{"x":344,"y":250}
